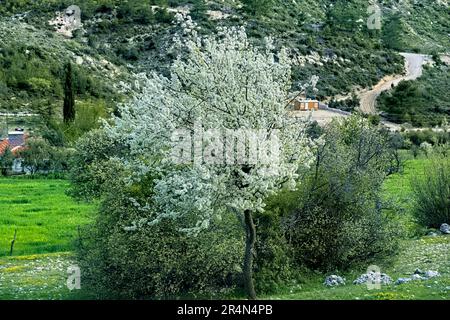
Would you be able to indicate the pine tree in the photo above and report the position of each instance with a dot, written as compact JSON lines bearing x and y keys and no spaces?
{"x":257,"y":7}
{"x":6,"y":161}
{"x":69,"y":97}
{"x":199,"y":10}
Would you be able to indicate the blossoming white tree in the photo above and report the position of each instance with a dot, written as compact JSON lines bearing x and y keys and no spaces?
{"x":221,"y":83}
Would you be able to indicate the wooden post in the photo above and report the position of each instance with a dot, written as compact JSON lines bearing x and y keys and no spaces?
{"x":12,"y":243}
{"x":79,"y":237}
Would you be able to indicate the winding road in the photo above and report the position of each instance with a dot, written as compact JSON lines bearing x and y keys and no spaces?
{"x":413,"y":67}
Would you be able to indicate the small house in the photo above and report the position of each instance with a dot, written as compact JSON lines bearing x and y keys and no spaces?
{"x":300,"y":104}
{"x":14,"y":142}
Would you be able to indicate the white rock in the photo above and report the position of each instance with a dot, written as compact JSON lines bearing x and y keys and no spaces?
{"x":431,"y":274}
{"x":373,"y":278}
{"x":402,"y":280}
{"x":418,"y":277}
{"x":334,"y":280}
{"x":445,"y":228}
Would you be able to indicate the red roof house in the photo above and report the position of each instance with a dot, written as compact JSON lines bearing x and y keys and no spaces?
{"x":15,"y":142}
{"x":4,"y":144}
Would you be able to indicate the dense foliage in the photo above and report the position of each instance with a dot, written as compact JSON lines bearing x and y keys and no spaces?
{"x":6,"y":161}
{"x":335,"y":219}
{"x":423,"y":102}
{"x":39,"y":156}
{"x":156,"y":261}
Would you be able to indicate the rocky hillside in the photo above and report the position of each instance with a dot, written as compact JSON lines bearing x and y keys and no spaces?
{"x":330,"y":38}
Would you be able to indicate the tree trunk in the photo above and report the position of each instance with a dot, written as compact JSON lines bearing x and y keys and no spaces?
{"x":250,"y":239}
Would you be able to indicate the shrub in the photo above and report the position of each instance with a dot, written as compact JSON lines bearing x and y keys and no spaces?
{"x":6,"y":161}
{"x":274,"y":266}
{"x":346,"y":105}
{"x":429,"y":136}
{"x":90,"y":165}
{"x":155,"y":261}
{"x":335,"y":218}
{"x":88,"y":115}
{"x":54,"y":134}
{"x":39,"y":157}
{"x":432,"y":193}
{"x":163,"y":16}
{"x":257,"y":7}
{"x":36,"y":155}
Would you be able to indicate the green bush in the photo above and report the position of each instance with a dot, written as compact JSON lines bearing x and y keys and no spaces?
{"x":274,"y":265}
{"x":88,"y":115}
{"x":163,"y":16}
{"x":432,"y":193}
{"x":346,"y":105}
{"x":429,"y":136}
{"x":6,"y":162}
{"x":90,"y":168}
{"x":335,"y":218}
{"x":155,"y":261}
{"x":152,"y":261}
{"x":257,"y":7}
{"x":40,"y":157}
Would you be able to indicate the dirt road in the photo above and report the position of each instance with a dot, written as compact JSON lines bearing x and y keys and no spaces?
{"x":413,"y":69}
{"x":368,"y":97}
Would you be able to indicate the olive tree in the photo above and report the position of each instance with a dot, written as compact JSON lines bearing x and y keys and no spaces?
{"x":215,"y":134}
{"x":6,"y":161}
{"x":36,"y":155}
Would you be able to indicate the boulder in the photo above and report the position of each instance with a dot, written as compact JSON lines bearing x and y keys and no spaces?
{"x":373,"y":278}
{"x":418,"y":271}
{"x":431,"y":274}
{"x":402,"y":280}
{"x":334,"y":280}
{"x":417,"y":277}
{"x":445,"y":228}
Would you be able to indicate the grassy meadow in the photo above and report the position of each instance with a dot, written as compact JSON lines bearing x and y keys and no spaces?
{"x":46,"y":219}
{"x":427,"y":253}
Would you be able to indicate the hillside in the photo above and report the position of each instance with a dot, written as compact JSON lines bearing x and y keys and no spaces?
{"x":327,"y":38}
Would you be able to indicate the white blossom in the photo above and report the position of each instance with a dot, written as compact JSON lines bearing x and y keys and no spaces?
{"x":225,"y":83}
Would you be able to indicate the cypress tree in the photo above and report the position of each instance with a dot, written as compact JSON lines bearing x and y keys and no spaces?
{"x":69,"y":97}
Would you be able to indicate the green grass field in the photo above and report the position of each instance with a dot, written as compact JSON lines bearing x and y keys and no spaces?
{"x":46,"y":218}
{"x":398,"y":186}
{"x":427,"y":253}
{"x":398,"y":194}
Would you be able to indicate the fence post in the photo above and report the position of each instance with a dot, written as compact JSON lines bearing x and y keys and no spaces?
{"x":80,"y":240}
{"x":12,"y":243}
